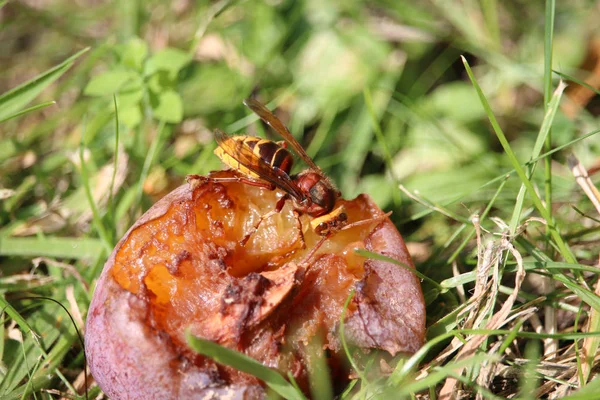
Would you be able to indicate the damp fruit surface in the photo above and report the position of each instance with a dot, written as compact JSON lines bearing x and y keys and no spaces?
{"x":182,"y":266}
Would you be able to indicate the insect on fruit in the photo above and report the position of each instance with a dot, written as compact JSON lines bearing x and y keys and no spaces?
{"x":180,"y":270}
{"x":268,"y":164}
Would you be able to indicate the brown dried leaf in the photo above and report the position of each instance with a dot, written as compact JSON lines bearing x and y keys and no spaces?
{"x":583,"y":180}
{"x":74,"y":308}
{"x":6,"y":193}
{"x":497,"y":320}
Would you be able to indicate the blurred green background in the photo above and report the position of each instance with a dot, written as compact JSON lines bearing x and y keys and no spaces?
{"x":374,"y":90}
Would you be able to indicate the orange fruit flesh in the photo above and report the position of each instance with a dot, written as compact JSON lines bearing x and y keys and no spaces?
{"x":187,"y":261}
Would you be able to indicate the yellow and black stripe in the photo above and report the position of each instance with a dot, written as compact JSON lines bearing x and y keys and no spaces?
{"x":244,"y":152}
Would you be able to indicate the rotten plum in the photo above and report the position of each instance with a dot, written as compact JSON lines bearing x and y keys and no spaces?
{"x":183,"y":266}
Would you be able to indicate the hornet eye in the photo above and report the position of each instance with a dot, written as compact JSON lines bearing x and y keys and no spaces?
{"x":317,"y":194}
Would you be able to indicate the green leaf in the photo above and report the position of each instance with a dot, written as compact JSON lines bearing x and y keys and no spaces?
{"x":134,"y":53}
{"x":160,"y":82}
{"x":108,"y":82}
{"x":226,"y":88}
{"x":130,"y":98}
{"x":170,"y":59}
{"x":131,"y":116}
{"x":129,"y":101}
{"x":14,"y":100}
{"x":243,"y":363}
{"x":167,"y":106}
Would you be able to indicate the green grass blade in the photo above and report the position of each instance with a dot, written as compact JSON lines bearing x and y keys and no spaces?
{"x":590,"y":347}
{"x":148,"y":161}
{"x":23,"y":359}
{"x":377,"y":129}
{"x":445,"y":324}
{"x":318,"y":369}
{"x":562,"y":246}
{"x":585,"y":295}
{"x":490,"y":13}
{"x":529,"y":380}
{"x":345,"y":346}
{"x":482,"y":217}
{"x":322,"y":131}
{"x":106,"y":240}
{"x":246,"y":364}
{"x":508,"y":340}
{"x":28,"y":110}
{"x":548,"y":39}
{"x":402,"y":370}
{"x":434,"y":207}
{"x":24,"y":391}
{"x":3,"y":334}
{"x":58,"y":247}
{"x":441,"y":373}
{"x":361,"y":140}
{"x":469,"y":277}
{"x":428,"y":211}
{"x":14,"y":100}
{"x":544,"y":132}
{"x":14,"y":314}
{"x":111,"y":200}
{"x":348,"y":389}
{"x":21,"y":192}
{"x":549,"y":312}
{"x":529,"y":335}
{"x":537,"y":149}
{"x":577,"y":81}
{"x":591,"y":391}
